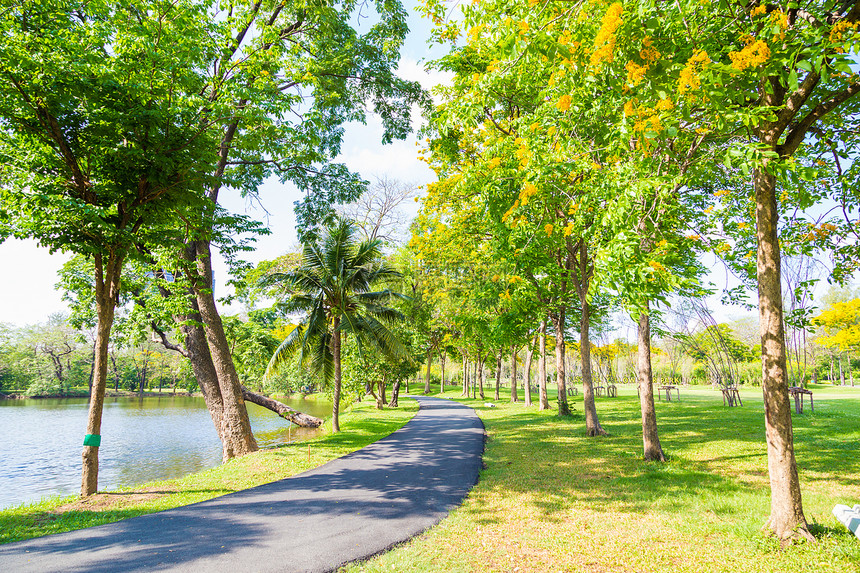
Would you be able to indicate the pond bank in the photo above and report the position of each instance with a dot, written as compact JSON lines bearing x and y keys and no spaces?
{"x":361,"y":424}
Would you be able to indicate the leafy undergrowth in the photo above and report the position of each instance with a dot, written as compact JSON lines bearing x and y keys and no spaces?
{"x":361,"y":425}
{"x":552,"y":499}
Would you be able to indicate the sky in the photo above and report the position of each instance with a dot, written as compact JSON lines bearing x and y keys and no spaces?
{"x":28,"y":293}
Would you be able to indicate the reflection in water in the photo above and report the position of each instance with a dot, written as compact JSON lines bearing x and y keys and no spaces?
{"x":142,"y":440}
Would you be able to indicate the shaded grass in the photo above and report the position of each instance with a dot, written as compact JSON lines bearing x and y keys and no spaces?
{"x":552,"y":499}
{"x":361,"y":425}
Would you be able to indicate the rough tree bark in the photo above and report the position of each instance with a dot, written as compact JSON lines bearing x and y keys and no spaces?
{"x":107,"y":278}
{"x":786,"y":508}
{"x":514,"y":394}
{"x":529,"y":354}
{"x":427,"y":377}
{"x":284,"y":411}
{"x":583,"y":270}
{"x":558,"y":324}
{"x":650,"y":439}
{"x":465,"y":375}
{"x":543,"y":399}
{"x":395,"y":394}
{"x":335,"y":351}
{"x":234,"y":418}
{"x":498,"y":372}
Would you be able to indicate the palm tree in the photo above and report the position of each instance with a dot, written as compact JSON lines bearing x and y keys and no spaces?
{"x":333,"y":285}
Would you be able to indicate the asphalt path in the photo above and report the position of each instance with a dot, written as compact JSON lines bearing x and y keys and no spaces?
{"x":348,"y":509}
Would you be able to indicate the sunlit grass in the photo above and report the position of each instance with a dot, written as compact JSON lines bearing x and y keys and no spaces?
{"x":551,"y":499}
{"x":361,"y":425}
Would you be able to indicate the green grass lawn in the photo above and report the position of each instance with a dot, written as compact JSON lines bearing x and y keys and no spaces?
{"x":551,"y":499}
{"x":361,"y":425}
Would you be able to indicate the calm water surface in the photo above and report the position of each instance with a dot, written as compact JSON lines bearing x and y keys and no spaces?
{"x":142,"y":440}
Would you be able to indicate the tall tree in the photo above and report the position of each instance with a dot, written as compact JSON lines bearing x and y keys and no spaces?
{"x":99,"y":143}
{"x":332,"y":285}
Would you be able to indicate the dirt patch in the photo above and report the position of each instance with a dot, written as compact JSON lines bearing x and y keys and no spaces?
{"x":113,"y":500}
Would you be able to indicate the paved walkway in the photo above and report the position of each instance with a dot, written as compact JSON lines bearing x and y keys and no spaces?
{"x":348,"y":509}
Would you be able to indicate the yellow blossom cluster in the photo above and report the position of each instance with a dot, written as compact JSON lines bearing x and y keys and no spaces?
{"x":563,"y":103}
{"x":494,"y":162}
{"x":688,"y":80}
{"x":529,"y":191}
{"x":604,"y":42}
{"x":564,"y":38}
{"x":664,"y":105}
{"x":635,"y":72}
{"x":548,"y":229}
{"x":568,"y":229}
{"x":821,"y":232}
{"x":656,"y":266}
{"x":475,"y":33}
{"x":779,"y":18}
{"x":838,"y":31}
{"x":721,"y":193}
{"x":648,"y":52}
{"x":754,"y":54}
{"x":758,"y":10}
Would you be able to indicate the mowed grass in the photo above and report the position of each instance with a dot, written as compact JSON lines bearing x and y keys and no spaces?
{"x":361,"y":425}
{"x":552,"y":499}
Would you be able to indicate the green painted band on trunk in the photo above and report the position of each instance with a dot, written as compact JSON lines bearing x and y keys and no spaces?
{"x":94,"y":440}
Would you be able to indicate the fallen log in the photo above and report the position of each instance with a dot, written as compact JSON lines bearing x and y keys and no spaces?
{"x":282,"y":410}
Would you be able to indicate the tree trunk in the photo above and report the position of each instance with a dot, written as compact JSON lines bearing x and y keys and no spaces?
{"x":558,"y":324}
{"x":592,"y":423}
{"x":427,"y":377}
{"x":107,"y":278}
{"x":465,"y":377}
{"x":482,"y":376}
{"x":841,"y":372}
{"x":514,"y":393}
{"x":529,"y":354}
{"x":543,"y":399}
{"x":204,"y":372}
{"x":395,"y":394}
{"x":284,"y":411}
{"x":650,"y":440}
{"x":498,"y":373}
{"x":786,"y":509}
{"x":442,"y":363}
{"x":335,"y":351}
{"x":234,"y":419}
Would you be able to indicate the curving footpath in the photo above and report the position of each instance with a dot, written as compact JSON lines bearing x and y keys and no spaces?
{"x":348,"y":509}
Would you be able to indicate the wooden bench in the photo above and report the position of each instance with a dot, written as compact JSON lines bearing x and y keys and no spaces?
{"x":798,"y":393}
{"x":667,"y":389}
{"x":611,"y":391}
{"x":732,"y":396}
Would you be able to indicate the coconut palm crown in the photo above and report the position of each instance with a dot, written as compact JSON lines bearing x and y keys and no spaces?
{"x":332,"y":287}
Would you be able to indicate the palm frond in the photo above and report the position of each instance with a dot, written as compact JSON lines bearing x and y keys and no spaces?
{"x":285,"y":351}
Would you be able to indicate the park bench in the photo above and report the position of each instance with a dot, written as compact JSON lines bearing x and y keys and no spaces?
{"x":612,"y":390}
{"x":572,"y":390}
{"x":732,"y":396}
{"x":667,"y":389}
{"x":600,"y":390}
{"x":798,"y":393}
{"x":849,"y":517}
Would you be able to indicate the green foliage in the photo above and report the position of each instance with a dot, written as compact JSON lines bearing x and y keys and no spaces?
{"x":332,"y":287}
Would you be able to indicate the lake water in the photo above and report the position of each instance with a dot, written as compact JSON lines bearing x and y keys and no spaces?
{"x":143,"y":440}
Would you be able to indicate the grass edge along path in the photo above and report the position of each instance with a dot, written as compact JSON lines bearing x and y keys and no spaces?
{"x":552,"y":499}
{"x":361,"y":425}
